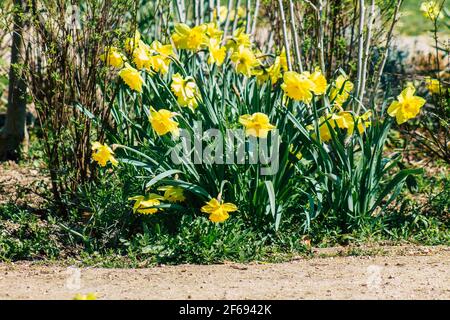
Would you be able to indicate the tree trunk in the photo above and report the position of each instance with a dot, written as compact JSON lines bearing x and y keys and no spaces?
{"x":14,"y":133}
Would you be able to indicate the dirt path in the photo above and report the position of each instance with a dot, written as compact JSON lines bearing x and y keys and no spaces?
{"x":423,"y":275}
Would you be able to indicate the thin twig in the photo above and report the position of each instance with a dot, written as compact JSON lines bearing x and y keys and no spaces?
{"x":362,"y":84}
{"x":227,"y":19}
{"x":295,"y":36}
{"x":248,"y":17}
{"x":360,"y":47}
{"x":320,"y":43}
{"x":180,"y":10}
{"x":379,"y":72}
{"x":236,"y":10}
{"x":255,"y":17}
{"x":285,"y":34}
{"x":211,"y":10}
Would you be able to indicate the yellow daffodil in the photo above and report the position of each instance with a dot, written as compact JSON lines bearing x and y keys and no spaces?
{"x":320,"y":82}
{"x":163,"y":123}
{"x":431,"y":9}
{"x":132,"y":43}
{"x":241,"y":13}
{"x":217,"y":53}
{"x":132,"y":77}
{"x":186,"y":91}
{"x":344,"y":120}
{"x":257,"y":124}
{"x":141,"y":56}
{"x":218,"y":211}
{"x":297,"y":154}
{"x":145,"y":204}
{"x":326,"y":123}
{"x":301,"y":87}
{"x":112,"y":57}
{"x":341,"y":90}
{"x":283,"y":60}
{"x":245,"y":61}
{"x":275,"y":70}
{"x":407,"y":105}
{"x":102,"y":153}
{"x":89,"y":296}
{"x":173,"y":194}
{"x":433,"y":85}
{"x":213,"y":32}
{"x":363,"y":121}
{"x":240,"y":38}
{"x":188,"y":38}
{"x":159,"y":57}
{"x":262,"y":74}
{"x":297,"y":86}
{"x":223,"y":12}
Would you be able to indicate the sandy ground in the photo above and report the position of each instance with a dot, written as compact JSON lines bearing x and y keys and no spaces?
{"x":422,"y":274}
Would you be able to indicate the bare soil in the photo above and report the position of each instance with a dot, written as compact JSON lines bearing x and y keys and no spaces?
{"x":409,"y":273}
{"x":21,"y":184}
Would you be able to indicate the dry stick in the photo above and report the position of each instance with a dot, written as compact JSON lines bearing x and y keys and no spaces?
{"x":236,"y":9}
{"x":379,"y":72}
{"x":319,"y":11}
{"x":295,"y":36}
{"x":202,"y":10}
{"x":180,"y":10}
{"x":211,"y":10}
{"x":362,"y":84}
{"x":218,"y":11}
{"x":248,"y":16}
{"x":227,"y":21}
{"x":360,"y":47}
{"x":352,"y":34}
{"x":255,"y":17}
{"x":196,"y":12}
{"x":302,"y":31}
{"x":285,"y":35}
{"x":270,"y":41}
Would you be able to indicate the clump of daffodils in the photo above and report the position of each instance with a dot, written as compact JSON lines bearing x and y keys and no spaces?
{"x":138,"y":61}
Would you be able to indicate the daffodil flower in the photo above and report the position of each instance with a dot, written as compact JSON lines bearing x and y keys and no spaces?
{"x":186,"y":91}
{"x":112,"y":57}
{"x":132,"y":77}
{"x":257,"y":124}
{"x":245,"y":61}
{"x":407,"y":105}
{"x":188,"y":38}
{"x":163,"y":123}
{"x":173,"y":193}
{"x":218,"y":211}
{"x":103,"y":154}
{"x":146,"y":204}
{"x":302,"y":86}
